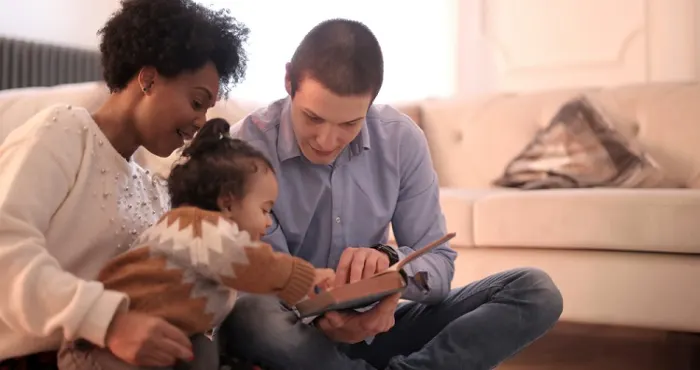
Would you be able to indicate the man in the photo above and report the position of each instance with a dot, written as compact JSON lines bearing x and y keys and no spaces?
{"x":346,"y":170}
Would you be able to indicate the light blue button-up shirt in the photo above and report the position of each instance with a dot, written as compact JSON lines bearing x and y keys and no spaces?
{"x":383,"y":176}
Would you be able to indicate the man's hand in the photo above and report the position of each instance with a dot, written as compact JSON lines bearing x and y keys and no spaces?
{"x":143,"y":340}
{"x":353,"y":327}
{"x":359,"y":263}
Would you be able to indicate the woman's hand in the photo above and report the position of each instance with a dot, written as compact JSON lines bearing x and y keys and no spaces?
{"x":144,"y":340}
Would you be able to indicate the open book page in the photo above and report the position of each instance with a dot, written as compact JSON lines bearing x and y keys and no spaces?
{"x":364,"y":294}
{"x":399,"y":265}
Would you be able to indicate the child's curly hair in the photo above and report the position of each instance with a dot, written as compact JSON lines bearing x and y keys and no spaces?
{"x":214,"y":165}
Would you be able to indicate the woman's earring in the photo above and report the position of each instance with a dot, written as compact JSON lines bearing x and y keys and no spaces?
{"x":147,"y":87}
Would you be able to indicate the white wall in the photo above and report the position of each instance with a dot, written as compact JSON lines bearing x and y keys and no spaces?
{"x":419,"y":45}
{"x":524,"y":45}
{"x":67,"y":22}
{"x":515,"y":45}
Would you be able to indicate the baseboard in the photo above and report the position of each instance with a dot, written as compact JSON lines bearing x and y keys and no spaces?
{"x":610,"y":332}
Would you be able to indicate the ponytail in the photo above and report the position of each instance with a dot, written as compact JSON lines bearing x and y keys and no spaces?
{"x":210,"y":137}
{"x":214,"y":164}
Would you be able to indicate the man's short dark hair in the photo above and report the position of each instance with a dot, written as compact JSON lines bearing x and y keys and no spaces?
{"x":343,"y":55}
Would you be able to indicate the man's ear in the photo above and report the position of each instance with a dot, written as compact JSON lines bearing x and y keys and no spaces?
{"x":287,"y":79}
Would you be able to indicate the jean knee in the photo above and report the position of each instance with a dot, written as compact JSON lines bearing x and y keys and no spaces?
{"x":544,"y":295}
{"x":258,"y":325}
{"x":206,"y":354}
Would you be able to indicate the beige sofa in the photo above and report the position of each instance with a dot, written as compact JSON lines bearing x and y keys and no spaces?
{"x":620,"y":257}
{"x":624,"y":257}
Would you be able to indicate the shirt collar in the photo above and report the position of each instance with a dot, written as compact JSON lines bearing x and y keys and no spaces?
{"x":361,"y":142}
{"x":288,"y":147}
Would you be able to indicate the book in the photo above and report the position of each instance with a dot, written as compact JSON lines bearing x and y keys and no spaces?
{"x":367,"y":291}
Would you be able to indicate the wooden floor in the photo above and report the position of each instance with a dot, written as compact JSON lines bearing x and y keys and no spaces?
{"x":585,"y":347}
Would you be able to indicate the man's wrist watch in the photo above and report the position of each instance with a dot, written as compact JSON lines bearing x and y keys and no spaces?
{"x":389,"y":251}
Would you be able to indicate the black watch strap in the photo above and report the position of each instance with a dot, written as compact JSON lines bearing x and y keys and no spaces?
{"x":389,"y":251}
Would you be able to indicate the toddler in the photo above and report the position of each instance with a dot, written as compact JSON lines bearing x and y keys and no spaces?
{"x":187,"y":267}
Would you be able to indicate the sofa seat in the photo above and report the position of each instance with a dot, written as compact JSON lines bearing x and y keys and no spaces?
{"x":638,"y":220}
{"x":654,"y":220}
{"x":458,"y":208}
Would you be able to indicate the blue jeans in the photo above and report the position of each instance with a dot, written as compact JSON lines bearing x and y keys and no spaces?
{"x":476,"y":327}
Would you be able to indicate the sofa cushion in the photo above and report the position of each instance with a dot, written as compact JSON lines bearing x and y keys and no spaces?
{"x":653,"y":220}
{"x":694,"y":183}
{"x":662,"y":117}
{"x":581,"y":148}
{"x":458,"y":208}
{"x":18,"y":105}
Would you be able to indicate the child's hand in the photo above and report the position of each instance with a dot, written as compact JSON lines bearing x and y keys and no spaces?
{"x":323,"y":279}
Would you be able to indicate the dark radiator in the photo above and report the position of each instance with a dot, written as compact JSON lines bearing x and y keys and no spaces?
{"x":28,"y":64}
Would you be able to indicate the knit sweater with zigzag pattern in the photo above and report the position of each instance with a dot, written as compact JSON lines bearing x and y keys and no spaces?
{"x":188,"y":267}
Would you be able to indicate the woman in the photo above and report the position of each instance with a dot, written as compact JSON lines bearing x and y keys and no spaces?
{"x":71,"y":197}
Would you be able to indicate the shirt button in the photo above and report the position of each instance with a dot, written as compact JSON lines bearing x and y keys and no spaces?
{"x":337,"y":220}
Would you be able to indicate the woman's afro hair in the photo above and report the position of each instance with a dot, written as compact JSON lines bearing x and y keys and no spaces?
{"x":172,"y":36}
